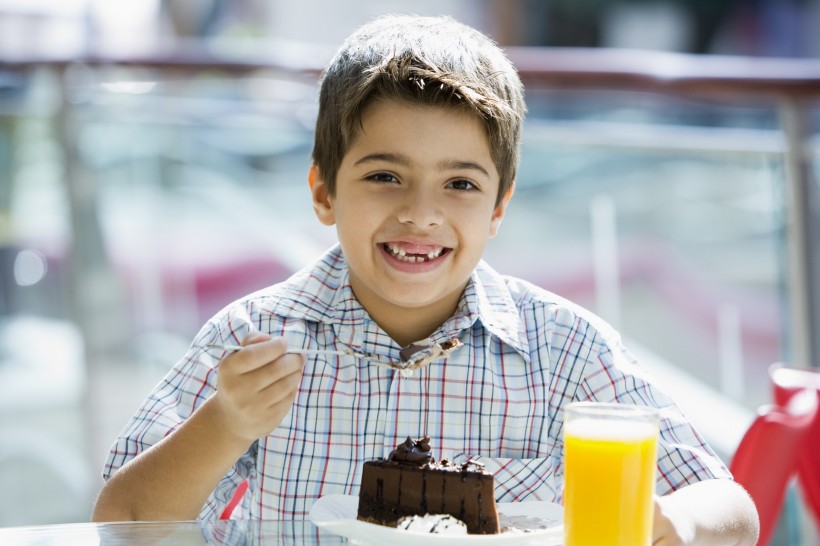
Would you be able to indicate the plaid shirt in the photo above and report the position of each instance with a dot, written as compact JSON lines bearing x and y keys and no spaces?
{"x":500,"y":398}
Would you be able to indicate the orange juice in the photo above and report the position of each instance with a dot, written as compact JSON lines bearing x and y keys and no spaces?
{"x":609,"y":475}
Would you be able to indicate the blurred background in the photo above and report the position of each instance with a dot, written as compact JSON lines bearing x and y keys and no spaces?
{"x":153,"y":160}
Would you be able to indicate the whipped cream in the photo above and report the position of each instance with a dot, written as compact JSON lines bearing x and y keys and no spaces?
{"x":437,"y":524}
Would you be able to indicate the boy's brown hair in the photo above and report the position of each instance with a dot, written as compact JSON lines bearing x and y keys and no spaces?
{"x":424,"y":60}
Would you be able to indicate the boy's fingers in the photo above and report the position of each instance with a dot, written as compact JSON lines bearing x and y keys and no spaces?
{"x":256,"y":353}
{"x":284,"y":374}
{"x":254,"y":336}
{"x":283,"y":390}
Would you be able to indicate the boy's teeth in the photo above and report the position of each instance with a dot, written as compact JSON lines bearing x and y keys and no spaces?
{"x":401,"y":254}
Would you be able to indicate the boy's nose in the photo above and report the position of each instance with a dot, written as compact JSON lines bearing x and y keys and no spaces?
{"x":421,"y":209}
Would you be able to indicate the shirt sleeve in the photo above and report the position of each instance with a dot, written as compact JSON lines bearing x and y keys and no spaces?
{"x":183,"y":390}
{"x":684,"y":457}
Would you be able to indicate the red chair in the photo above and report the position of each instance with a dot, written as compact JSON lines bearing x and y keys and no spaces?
{"x":786,"y":382}
{"x":766,"y":458}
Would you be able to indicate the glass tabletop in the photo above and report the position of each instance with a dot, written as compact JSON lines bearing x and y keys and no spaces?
{"x":182,"y":533}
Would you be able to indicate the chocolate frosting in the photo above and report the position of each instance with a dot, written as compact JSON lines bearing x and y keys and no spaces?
{"x":411,"y":452}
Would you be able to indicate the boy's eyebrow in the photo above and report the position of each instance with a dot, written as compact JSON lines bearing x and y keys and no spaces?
{"x":388,"y":157}
{"x":458,"y":165}
{"x":404,"y":161}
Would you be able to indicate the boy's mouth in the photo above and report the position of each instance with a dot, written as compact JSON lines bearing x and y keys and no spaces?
{"x":415,"y":253}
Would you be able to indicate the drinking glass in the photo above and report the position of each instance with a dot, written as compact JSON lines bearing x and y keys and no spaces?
{"x":610,"y":456}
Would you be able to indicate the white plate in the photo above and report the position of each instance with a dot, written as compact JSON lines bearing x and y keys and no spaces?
{"x":337,"y":514}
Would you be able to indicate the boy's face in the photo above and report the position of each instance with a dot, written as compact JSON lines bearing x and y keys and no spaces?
{"x":414,"y":206}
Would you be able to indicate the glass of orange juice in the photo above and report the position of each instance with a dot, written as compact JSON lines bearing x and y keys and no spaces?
{"x":610,"y":456}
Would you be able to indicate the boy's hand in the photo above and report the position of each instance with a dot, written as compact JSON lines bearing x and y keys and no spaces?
{"x":671,"y":527}
{"x":715,"y":512}
{"x":256,"y":386}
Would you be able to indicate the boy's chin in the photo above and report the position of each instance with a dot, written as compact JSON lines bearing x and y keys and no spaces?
{"x":421,"y":297}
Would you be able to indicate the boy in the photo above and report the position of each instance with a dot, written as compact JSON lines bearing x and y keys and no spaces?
{"x":414,"y":162}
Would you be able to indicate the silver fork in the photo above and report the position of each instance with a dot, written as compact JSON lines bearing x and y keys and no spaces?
{"x":347,"y":352}
{"x":415,"y":355}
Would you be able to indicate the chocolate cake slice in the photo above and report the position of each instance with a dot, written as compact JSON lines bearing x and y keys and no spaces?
{"x":410,"y":482}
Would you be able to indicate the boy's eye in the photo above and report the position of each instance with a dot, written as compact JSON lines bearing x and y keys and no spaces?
{"x":382,"y":177}
{"x":462,"y":185}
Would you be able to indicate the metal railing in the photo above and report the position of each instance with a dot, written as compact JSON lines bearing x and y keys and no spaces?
{"x":789,"y":85}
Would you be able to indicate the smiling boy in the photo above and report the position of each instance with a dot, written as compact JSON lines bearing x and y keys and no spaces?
{"x":414,"y":163}
{"x":415,"y":202}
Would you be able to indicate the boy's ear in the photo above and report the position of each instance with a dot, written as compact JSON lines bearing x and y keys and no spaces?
{"x":322,"y":201}
{"x":500,"y":210}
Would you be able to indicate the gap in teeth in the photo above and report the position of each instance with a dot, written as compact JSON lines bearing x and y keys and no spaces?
{"x":401,"y":254}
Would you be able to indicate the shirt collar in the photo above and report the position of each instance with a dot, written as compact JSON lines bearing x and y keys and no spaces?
{"x":488,"y":297}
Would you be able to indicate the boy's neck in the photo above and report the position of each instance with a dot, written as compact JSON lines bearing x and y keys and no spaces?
{"x":410,"y":330}
{"x":407,"y":325}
